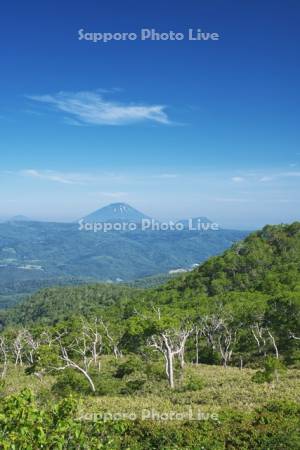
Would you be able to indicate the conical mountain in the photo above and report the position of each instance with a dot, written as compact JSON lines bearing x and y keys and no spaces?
{"x":116,"y":212}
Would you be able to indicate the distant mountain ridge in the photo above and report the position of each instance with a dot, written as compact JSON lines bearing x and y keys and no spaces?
{"x":117,"y":212}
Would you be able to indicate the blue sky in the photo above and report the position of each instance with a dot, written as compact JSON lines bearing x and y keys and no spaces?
{"x":176,"y":128}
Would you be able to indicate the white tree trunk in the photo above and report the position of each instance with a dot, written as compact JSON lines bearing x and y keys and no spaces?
{"x":170,"y":373}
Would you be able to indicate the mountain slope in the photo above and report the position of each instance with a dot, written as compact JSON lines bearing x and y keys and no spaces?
{"x":265,"y":261}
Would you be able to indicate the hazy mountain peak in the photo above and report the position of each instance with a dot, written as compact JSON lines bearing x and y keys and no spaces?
{"x":19,"y":218}
{"x":115,"y":212}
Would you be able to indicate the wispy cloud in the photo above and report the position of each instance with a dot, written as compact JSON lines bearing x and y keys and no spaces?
{"x":238,"y":179}
{"x":90,"y":178}
{"x":278,"y":176}
{"x":113,"y":195}
{"x":92,"y":108}
{"x":266,"y":178}
{"x":291,"y":174}
{"x":58,"y":177}
{"x":166,"y":176}
{"x":260,"y":177}
{"x":234,"y":200}
{"x":111,"y":184}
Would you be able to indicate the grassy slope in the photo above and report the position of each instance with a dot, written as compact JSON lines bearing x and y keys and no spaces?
{"x":223,"y":389}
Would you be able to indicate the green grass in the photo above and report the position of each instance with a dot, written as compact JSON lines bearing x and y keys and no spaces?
{"x":222,"y":389}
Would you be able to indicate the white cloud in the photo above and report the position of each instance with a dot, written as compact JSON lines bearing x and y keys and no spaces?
{"x":266,"y":178}
{"x":238,"y":179}
{"x":91,"y":108}
{"x":291,"y":174}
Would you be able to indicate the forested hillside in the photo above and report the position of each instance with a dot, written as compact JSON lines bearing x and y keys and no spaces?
{"x":254,"y":286}
{"x":265,"y":261}
{"x":39,"y":254}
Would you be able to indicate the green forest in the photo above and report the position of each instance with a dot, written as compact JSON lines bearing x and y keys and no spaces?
{"x":208,"y":360}
{"x":36,"y":255}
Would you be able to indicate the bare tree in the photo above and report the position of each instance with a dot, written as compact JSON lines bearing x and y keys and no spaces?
{"x":32,"y":345}
{"x":170,"y":343}
{"x":293,"y":336}
{"x":24,"y":345}
{"x":18,"y":347}
{"x":197,"y":336}
{"x":50,"y":340}
{"x":221,"y":334}
{"x":82,"y":353}
{"x":4,"y":356}
{"x":91,"y":336}
{"x":210,"y":327}
{"x":274,"y":343}
{"x":113,"y":341}
{"x":70,"y":363}
{"x":258,"y":333}
{"x":226,"y":341}
{"x":262,"y":335}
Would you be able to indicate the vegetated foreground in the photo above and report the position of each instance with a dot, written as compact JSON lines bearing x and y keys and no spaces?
{"x":208,"y":361}
{"x":224,"y":410}
{"x":217,"y":389}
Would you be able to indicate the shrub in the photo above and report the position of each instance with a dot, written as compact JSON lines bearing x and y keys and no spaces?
{"x":132,"y":364}
{"x":69,"y":382}
{"x":2,"y":387}
{"x":155,"y":371}
{"x":273,"y":367}
{"x":193,"y":383}
{"x":106,"y":384}
{"x":134,"y":385}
